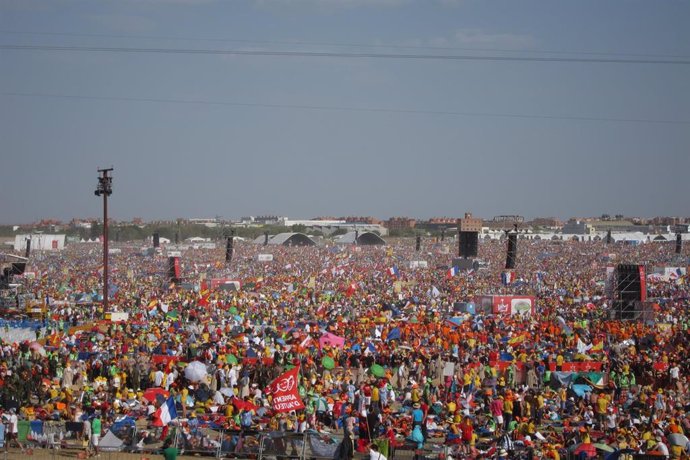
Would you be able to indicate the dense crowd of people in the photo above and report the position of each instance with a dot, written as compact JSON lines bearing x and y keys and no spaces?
{"x":420,"y":363}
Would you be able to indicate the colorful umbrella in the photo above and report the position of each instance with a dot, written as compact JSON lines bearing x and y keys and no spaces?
{"x":377,"y":370}
{"x":328,"y":362}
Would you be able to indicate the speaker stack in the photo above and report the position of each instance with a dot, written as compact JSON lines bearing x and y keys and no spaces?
{"x":156,"y":240}
{"x":229,"y":249}
{"x":511,"y":255}
{"x":631,"y":290}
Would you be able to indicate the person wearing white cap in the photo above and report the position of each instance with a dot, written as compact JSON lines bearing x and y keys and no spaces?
{"x":661,"y":447}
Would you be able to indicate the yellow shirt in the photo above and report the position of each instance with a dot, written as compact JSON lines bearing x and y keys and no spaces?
{"x":602,"y":404}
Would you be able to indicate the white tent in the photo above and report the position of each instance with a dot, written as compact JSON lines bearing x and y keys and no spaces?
{"x":110,"y":442}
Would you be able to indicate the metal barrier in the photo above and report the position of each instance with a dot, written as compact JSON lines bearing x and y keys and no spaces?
{"x":200,"y":440}
{"x":215,"y":442}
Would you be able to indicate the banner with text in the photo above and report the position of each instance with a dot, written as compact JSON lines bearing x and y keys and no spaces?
{"x":285,"y":392}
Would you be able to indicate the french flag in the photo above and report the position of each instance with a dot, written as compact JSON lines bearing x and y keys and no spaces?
{"x":166,"y":413}
{"x":507,"y":278}
{"x":453,"y":271}
{"x":393,"y":271}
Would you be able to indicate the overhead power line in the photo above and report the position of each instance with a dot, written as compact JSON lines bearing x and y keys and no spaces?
{"x":447,"y":57}
{"x":348,"y":109}
{"x":339,"y":44}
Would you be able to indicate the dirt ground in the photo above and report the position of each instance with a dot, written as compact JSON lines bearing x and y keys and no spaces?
{"x":49,"y":454}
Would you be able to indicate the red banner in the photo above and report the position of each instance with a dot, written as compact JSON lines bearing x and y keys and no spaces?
{"x":177,"y":268}
{"x":164,"y":359}
{"x":643,"y":283}
{"x":285,"y":392}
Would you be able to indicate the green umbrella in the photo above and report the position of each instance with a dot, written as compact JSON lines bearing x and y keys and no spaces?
{"x":328,"y":362}
{"x":231,"y":359}
{"x":604,"y":447}
{"x":377,"y":370}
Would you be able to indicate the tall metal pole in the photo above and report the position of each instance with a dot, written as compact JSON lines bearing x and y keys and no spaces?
{"x":105,"y":189}
{"x":105,"y":249}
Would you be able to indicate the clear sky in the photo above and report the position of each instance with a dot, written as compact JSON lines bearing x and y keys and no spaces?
{"x":205,"y":134}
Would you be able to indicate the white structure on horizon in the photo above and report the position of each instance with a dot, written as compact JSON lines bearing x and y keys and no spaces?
{"x":330,"y":226}
{"x":40,"y":242}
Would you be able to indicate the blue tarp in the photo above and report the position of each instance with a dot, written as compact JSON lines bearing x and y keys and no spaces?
{"x":580,"y":390}
{"x":123,"y":423}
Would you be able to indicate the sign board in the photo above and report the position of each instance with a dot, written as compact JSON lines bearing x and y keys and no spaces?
{"x":418,"y":264}
{"x":225,"y":283}
{"x":174,"y":254}
{"x":117,"y":316}
{"x":448,"y":369}
{"x":506,"y":304}
{"x":264,"y":257}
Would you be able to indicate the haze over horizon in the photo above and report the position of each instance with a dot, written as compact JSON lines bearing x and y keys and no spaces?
{"x":374,"y":108}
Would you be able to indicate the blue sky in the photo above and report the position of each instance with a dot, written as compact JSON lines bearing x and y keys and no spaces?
{"x":231,"y":135}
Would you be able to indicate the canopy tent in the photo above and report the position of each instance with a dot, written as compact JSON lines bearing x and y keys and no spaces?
{"x":363,"y":239}
{"x":291,"y":239}
{"x":110,"y":442}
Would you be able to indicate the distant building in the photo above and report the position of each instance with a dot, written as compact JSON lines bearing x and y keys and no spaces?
{"x":469,"y":223}
{"x":211,"y":223}
{"x":618,"y":226}
{"x":361,"y":220}
{"x":438,"y":223}
{"x":268,"y":220}
{"x":551,"y":222}
{"x":400,"y":223}
{"x":669,"y":220}
{"x":577,"y":227}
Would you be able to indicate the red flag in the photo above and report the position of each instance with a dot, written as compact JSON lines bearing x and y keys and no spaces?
{"x":204,"y":294}
{"x":351,"y":290}
{"x":285,"y":392}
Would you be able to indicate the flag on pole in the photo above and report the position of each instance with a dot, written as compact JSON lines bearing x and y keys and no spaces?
{"x":393,"y":271}
{"x":453,"y":271}
{"x":166,"y":413}
{"x":507,"y":278}
{"x":285,"y":392}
